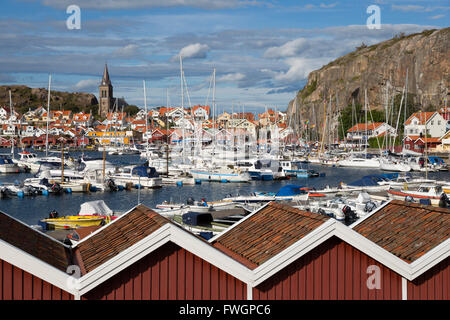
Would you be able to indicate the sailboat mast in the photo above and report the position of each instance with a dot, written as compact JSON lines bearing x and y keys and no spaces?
{"x":146,"y":114}
{"x":182,"y":100}
{"x":214,"y":109}
{"x":48,"y":114}
{"x":365,"y":114}
{"x":167,"y":135}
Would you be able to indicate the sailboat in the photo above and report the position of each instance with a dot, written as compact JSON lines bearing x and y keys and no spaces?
{"x":361,"y":162}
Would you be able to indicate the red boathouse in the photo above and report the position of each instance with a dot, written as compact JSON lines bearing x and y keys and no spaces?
{"x":399,"y":251}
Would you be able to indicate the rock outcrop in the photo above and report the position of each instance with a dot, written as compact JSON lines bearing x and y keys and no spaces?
{"x":25,"y":98}
{"x":426,"y":57}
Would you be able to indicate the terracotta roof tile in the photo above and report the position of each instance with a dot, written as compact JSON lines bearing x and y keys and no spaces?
{"x":407,"y":230}
{"x":118,"y":236}
{"x":34,"y":242}
{"x":266,"y":233}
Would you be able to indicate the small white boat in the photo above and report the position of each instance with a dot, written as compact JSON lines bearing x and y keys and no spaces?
{"x":7,"y":165}
{"x":145,"y":177}
{"x":430,"y":192}
{"x":356,"y":162}
{"x":394,"y":165}
{"x":223,"y":174}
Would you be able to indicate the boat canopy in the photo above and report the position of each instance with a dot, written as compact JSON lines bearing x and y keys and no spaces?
{"x":97,"y":207}
{"x":5,"y":160}
{"x":390,"y":176}
{"x":290,"y":190}
{"x":436,"y":160}
{"x":147,"y":172}
{"x":367,"y":181}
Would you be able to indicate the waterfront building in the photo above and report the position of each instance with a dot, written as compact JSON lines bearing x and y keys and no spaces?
{"x":433,"y":122}
{"x":400,"y":251}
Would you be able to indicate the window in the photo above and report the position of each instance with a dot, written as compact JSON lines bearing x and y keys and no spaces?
{"x":432,"y":122}
{"x":439,"y":122}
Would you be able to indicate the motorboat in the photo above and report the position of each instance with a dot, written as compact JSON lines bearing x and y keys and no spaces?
{"x":10,"y":190}
{"x":296,"y":169}
{"x":221,"y":174}
{"x":69,"y":180}
{"x":387,"y":164}
{"x":406,"y":181}
{"x":368,"y":183}
{"x":72,"y":222}
{"x":431,"y":192}
{"x":255,"y":169}
{"x":92,"y":213}
{"x":99,"y":182}
{"x":35,"y":164}
{"x":137,"y":175}
{"x":7,"y":165}
{"x":357,"y":162}
{"x":286,"y":193}
{"x":44,"y":186}
{"x":89,"y":164}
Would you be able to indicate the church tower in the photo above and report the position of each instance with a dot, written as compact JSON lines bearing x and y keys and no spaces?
{"x":105,"y":94}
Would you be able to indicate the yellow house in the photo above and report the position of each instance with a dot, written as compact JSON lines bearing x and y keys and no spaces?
{"x":107,"y":137}
{"x":445,"y":143}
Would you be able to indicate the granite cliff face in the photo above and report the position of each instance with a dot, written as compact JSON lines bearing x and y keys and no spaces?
{"x":426,"y":57}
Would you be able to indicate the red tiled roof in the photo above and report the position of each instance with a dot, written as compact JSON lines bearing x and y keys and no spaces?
{"x":266,"y":233}
{"x":362,"y":126}
{"x":421,"y":116}
{"x":201,"y":107}
{"x":117,"y":236}
{"x":407,"y":230}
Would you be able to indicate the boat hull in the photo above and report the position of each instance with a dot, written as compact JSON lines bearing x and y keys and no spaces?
{"x":73,"y":222}
{"x":220,"y":177}
{"x":402,"y":194}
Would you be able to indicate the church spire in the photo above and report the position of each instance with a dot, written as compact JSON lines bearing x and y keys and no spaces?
{"x":105,"y":80}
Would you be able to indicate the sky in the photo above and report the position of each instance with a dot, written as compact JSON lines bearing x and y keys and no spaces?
{"x":261,"y":50}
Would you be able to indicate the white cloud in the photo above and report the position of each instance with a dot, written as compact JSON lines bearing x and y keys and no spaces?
{"x":87,"y":85}
{"x":193,"y":51}
{"x":408,"y":7}
{"x":328,"y":6}
{"x":231,"y":77}
{"x":289,"y":49}
{"x":299,"y":69}
{"x":439,"y":16}
{"x":127,"y":51}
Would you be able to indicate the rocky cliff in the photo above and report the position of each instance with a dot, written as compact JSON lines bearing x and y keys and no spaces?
{"x":426,"y":57}
{"x":25,"y":98}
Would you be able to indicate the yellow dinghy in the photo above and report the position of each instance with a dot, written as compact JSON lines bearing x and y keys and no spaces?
{"x":73,"y":222}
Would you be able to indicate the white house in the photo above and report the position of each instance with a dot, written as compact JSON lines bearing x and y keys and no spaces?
{"x":370,"y":130}
{"x":434,"y":122}
{"x":200,"y":113}
{"x":82,"y":119}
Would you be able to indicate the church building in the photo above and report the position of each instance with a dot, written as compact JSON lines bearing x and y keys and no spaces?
{"x":106,"y":100}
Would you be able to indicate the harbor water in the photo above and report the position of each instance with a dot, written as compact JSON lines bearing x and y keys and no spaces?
{"x":31,"y":209}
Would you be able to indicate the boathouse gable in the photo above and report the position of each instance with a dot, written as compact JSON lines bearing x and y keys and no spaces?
{"x":136,"y":235}
{"x":31,"y":259}
{"x":398,"y":271}
{"x":399,"y":251}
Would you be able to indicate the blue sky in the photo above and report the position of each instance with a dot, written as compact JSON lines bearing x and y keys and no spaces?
{"x":263,"y":50}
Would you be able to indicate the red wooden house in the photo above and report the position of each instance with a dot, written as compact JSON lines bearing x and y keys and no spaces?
{"x":417,"y":143}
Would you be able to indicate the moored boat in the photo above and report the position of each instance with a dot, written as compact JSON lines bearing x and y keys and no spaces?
{"x":430,"y":192}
